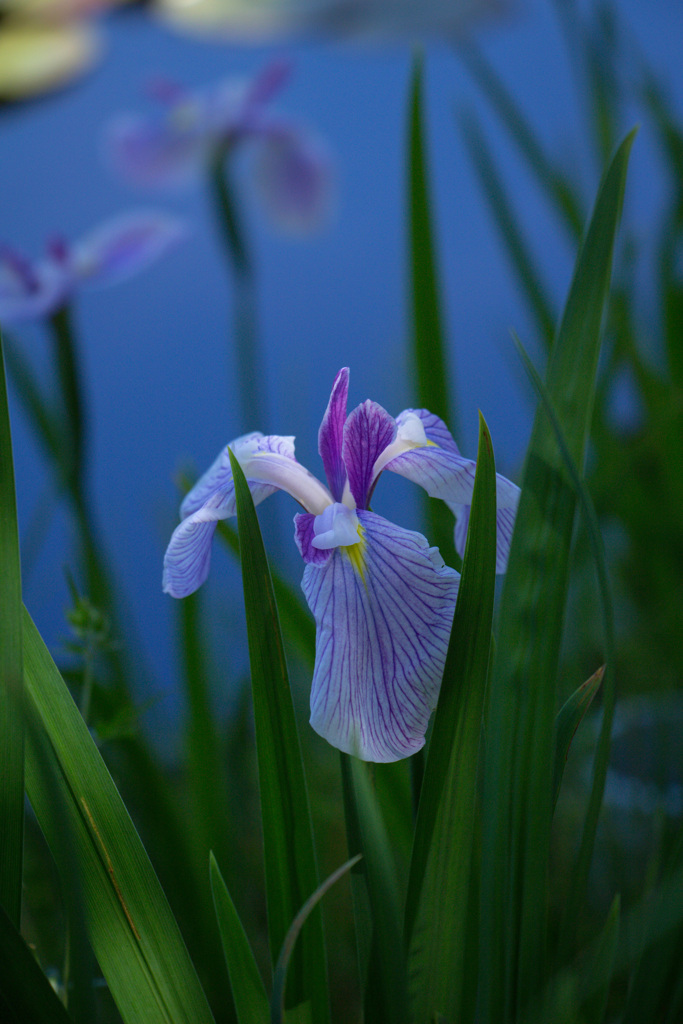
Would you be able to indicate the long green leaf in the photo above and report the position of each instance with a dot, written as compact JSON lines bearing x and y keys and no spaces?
{"x":522,"y":262}
{"x":569,"y":718}
{"x":518,"y":775}
{"x":427,"y":333}
{"x":552,"y":180}
{"x":248,"y":993}
{"x":387,"y":965}
{"x":579,"y":879}
{"x":11,"y":695}
{"x":439,"y":885}
{"x":26,"y":996}
{"x":291,"y":871}
{"x":133,"y":933}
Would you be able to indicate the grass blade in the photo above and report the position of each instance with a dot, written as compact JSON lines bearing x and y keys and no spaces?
{"x":439,"y":884}
{"x":493,"y":189}
{"x":291,"y":871}
{"x":11,"y":686}
{"x":387,"y":969}
{"x":248,"y":993}
{"x":579,"y":879}
{"x":277,"y":1003}
{"x":133,"y":933}
{"x":427,"y":329}
{"x":553,"y":183}
{"x":569,"y":718}
{"x":518,"y":776}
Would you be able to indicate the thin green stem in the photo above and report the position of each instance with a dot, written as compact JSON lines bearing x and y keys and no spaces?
{"x":69,"y":377}
{"x":248,"y":356}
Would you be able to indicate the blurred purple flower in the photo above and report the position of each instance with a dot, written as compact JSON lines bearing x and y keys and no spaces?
{"x":117,"y":249}
{"x":293,"y":172}
{"x":382,"y":599}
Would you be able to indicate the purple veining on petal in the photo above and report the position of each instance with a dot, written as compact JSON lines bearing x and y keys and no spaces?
{"x":331,"y":434}
{"x":269,"y":465}
{"x":367,"y":432}
{"x":435,"y":428}
{"x":443,"y":474}
{"x":188,"y":556}
{"x":381,"y":641}
{"x":304,"y":534}
{"x":505,"y":522}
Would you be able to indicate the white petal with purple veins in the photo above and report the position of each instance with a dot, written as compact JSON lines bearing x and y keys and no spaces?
{"x":383,"y":611}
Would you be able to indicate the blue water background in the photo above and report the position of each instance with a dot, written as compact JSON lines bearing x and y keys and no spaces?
{"x":158,"y":371}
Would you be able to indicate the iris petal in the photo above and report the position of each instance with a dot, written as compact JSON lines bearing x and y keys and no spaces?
{"x":383,"y":612}
{"x":122,"y":247}
{"x":188,"y":556}
{"x":219,"y":475}
{"x":331,"y":434}
{"x":368,"y":431}
{"x":293,"y":175}
{"x":444,"y":473}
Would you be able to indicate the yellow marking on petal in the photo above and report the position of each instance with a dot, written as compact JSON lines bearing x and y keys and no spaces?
{"x":356,"y":553}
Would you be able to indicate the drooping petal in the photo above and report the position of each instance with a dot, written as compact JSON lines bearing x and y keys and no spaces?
{"x":430,"y":458}
{"x":505,"y":522}
{"x":218,"y":477}
{"x":331,"y":435}
{"x":188,"y":556}
{"x":383,"y":611}
{"x":368,"y":431}
{"x":294,"y":179}
{"x":121,"y":247}
{"x":268,"y":463}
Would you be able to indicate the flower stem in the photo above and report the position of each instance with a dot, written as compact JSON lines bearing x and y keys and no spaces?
{"x":250,"y":374}
{"x":69,"y":377}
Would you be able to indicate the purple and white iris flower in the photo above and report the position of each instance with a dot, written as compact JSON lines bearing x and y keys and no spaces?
{"x":292,"y":171}
{"x":117,"y":249}
{"x":382,"y":598}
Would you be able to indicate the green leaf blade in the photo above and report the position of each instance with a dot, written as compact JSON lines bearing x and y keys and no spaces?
{"x":441,"y":865}
{"x":426,"y":318}
{"x":133,"y":933}
{"x":518,"y":774}
{"x":11,"y":672}
{"x":291,"y":871}
{"x":251,"y":1001}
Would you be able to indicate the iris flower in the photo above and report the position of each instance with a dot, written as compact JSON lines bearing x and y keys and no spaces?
{"x":119,"y":248}
{"x":382,"y":598}
{"x":292,"y":171}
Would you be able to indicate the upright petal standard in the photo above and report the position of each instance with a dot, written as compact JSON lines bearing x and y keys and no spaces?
{"x":382,"y":598}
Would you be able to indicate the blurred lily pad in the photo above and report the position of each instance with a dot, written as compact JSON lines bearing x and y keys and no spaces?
{"x":267,"y":19}
{"x":35,"y":58}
